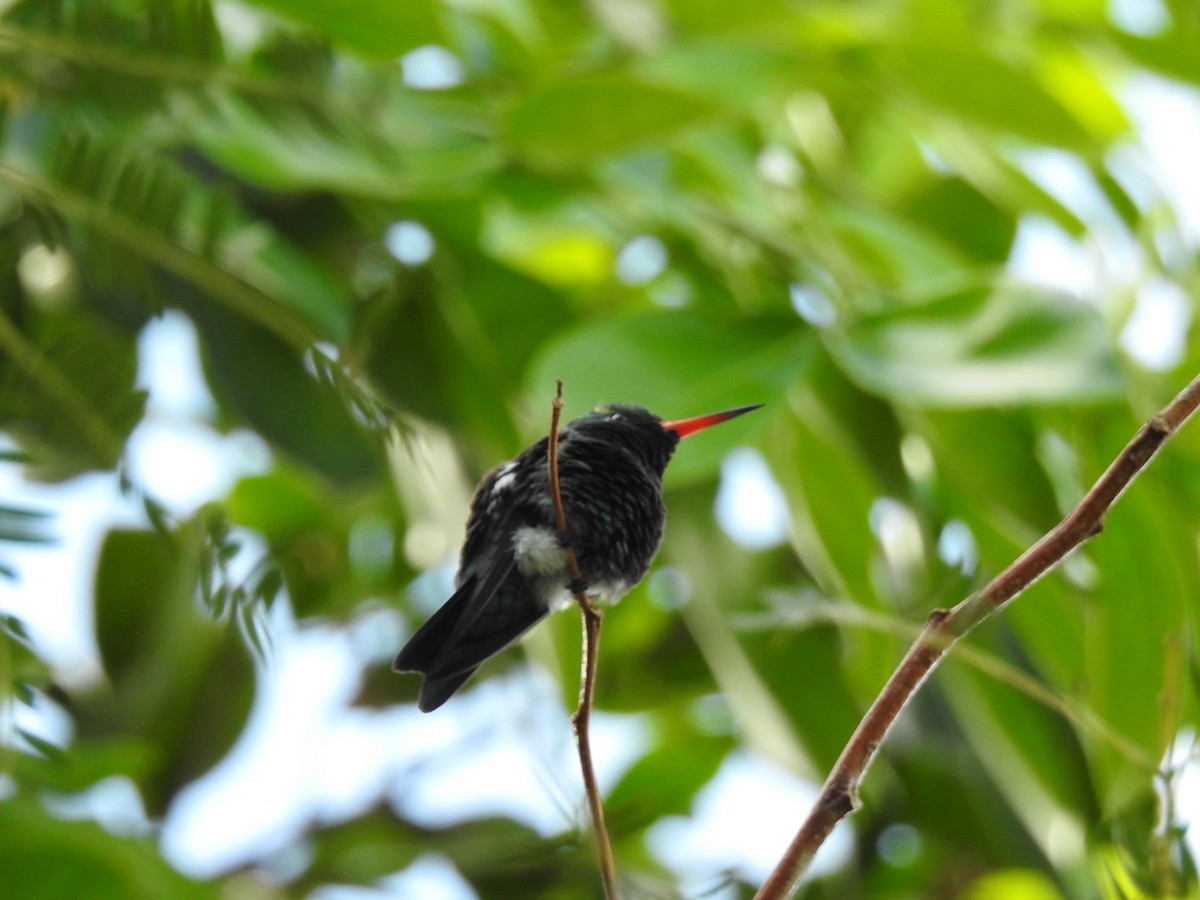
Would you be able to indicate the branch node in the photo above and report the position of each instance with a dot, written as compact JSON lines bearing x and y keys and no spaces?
{"x":841,"y":799}
{"x":937,"y":618}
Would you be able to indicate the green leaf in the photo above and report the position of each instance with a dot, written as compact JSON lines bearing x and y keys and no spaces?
{"x":177,"y":680}
{"x":23,"y":669}
{"x":1173,"y":53}
{"x":265,"y":381}
{"x":134,"y":567}
{"x":179,"y":31}
{"x":663,"y":782}
{"x":1139,"y":615}
{"x":1005,"y":497}
{"x":894,"y":249}
{"x":72,"y":399}
{"x":1077,"y":81}
{"x":121,"y":58}
{"x":45,"y":858}
{"x":1022,"y":507}
{"x":86,"y":762}
{"x":755,"y":16}
{"x":424,"y":145}
{"x":571,"y":123}
{"x":969,"y":83}
{"x":808,"y":670}
{"x":367,"y":27}
{"x":25,"y":526}
{"x":428,"y":357}
{"x":128,"y":200}
{"x":702,"y":67}
{"x":964,"y":216}
{"x":1022,"y":742}
{"x":831,"y":484}
{"x":718,"y":575}
{"x":499,"y":857}
{"x":977,"y":348}
{"x":278,"y":505}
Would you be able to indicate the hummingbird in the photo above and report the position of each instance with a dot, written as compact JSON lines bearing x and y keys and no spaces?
{"x":513,"y":567}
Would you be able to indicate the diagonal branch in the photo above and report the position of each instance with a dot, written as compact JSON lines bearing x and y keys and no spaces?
{"x":581,"y":720}
{"x":839,"y":795}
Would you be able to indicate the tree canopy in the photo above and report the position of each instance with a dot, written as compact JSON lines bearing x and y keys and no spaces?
{"x":935,"y":238}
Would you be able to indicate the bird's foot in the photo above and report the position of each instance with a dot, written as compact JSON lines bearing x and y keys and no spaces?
{"x":578,"y":586}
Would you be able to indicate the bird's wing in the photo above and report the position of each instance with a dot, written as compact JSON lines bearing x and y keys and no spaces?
{"x":436,"y":691}
{"x":489,"y":631}
{"x":473,"y":625}
{"x":425,"y":648}
{"x":493,"y":605}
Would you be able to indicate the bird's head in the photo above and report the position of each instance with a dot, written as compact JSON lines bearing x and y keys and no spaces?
{"x":636,"y":429}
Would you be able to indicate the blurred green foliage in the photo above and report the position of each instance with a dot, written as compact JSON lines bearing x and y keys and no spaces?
{"x":836,"y":188}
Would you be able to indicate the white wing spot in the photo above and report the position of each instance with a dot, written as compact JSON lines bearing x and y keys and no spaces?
{"x":504,"y":478}
{"x":538,"y":552}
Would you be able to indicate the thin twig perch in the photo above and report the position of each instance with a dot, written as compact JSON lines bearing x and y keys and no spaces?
{"x":581,"y":720}
{"x":839,"y":795}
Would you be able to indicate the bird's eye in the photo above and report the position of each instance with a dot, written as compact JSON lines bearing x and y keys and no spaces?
{"x":615,"y":417}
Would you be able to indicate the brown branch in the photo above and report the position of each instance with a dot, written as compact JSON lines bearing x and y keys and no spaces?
{"x":839,"y":795}
{"x":581,"y":720}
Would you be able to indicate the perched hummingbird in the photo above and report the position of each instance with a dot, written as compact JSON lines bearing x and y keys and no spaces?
{"x":513,"y":569}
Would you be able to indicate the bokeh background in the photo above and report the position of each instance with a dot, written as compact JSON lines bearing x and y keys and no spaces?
{"x":283,"y":278}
